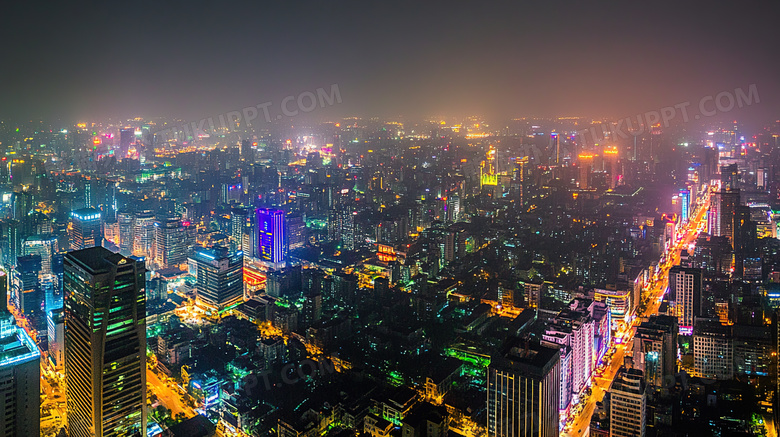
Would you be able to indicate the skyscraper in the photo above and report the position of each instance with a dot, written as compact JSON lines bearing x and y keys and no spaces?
{"x":272,"y":241}
{"x":713,"y":216}
{"x":20,"y":367}
{"x":86,"y":229}
{"x":28,"y":297}
{"x":170,"y":241}
{"x":685,"y":291}
{"x":105,"y":344}
{"x":220,"y":278}
{"x":729,"y":200}
{"x":523,"y":385}
{"x":628,"y":404}
{"x":655,"y":349}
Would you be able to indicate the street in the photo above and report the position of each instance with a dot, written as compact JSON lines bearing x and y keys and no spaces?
{"x":581,"y":423}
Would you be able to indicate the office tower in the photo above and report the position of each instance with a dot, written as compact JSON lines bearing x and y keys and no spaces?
{"x":20,"y":367}
{"x":586,"y":164}
{"x":272,"y":241}
{"x":105,"y":344}
{"x":238,"y":222}
{"x":685,"y":205}
{"x":611,"y":164}
{"x":296,"y":231}
{"x":44,"y":246}
{"x":523,"y":386}
{"x":713,"y":349}
{"x":55,"y":319}
{"x":170,"y":242}
{"x":713,"y":216}
{"x":575,"y":329}
{"x":28,"y":297}
{"x":729,"y":200}
{"x":655,"y":349}
{"x":341,"y":227}
{"x":12,"y":233}
{"x":126,"y":222}
{"x":628,"y":404}
{"x":143,"y":233}
{"x":685,"y":286}
{"x":86,"y":229}
{"x":744,"y":236}
{"x":24,"y":204}
{"x":729,"y":177}
{"x":126,"y":138}
{"x":219,"y":278}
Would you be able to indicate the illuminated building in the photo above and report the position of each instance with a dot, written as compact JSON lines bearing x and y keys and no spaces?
{"x":685,"y":205}
{"x":575,"y":329}
{"x":713,"y":216}
{"x":341,"y":227}
{"x":143,"y":234}
{"x":611,"y":158}
{"x":713,"y":350}
{"x":86,"y":229}
{"x":20,"y":364}
{"x":685,"y":286}
{"x":272,"y":241}
{"x":628,"y":404}
{"x":618,"y":302}
{"x":126,"y":221}
{"x":296,"y":231}
{"x":523,"y":386}
{"x":126,"y":138}
{"x":44,"y":246}
{"x":28,"y":296}
{"x":219,"y":278}
{"x":586,"y":164}
{"x":105,"y":344}
{"x":488,"y":169}
{"x":170,"y":242}
{"x":655,"y":349}
{"x":238,"y":223}
{"x":56,"y":324}
{"x":729,"y":200}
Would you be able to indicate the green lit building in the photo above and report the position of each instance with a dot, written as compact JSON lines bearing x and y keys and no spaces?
{"x":105,"y":344}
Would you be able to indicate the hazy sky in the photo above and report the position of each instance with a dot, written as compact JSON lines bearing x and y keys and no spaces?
{"x":195,"y":59}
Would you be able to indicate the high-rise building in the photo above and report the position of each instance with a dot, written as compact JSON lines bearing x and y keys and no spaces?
{"x":105,"y":344}
{"x":44,"y":246}
{"x":729,"y":200}
{"x":575,"y":329}
{"x":143,"y":233}
{"x":586,"y":165}
{"x":238,"y":222}
{"x":219,"y":278}
{"x":20,"y":367}
{"x":523,"y":386}
{"x":86,"y":229}
{"x":685,"y":205}
{"x":713,"y":350}
{"x":272,"y":241}
{"x":655,"y":349}
{"x":713,"y":216}
{"x":28,"y":297}
{"x":126,"y":222}
{"x":296,"y":231}
{"x":170,"y":242}
{"x":628,"y":404}
{"x":685,"y":286}
{"x":56,"y":323}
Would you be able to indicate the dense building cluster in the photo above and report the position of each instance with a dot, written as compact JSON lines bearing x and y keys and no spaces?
{"x":388,"y":278}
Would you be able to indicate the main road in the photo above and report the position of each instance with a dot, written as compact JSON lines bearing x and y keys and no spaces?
{"x":580,"y":424}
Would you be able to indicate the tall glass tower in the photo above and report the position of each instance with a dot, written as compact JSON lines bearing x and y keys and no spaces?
{"x":272,"y":244}
{"x":86,"y":229}
{"x":105,"y":343}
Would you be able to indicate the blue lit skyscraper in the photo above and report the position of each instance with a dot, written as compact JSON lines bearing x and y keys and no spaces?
{"x":685,"y":199}
{"x":272,"y":242}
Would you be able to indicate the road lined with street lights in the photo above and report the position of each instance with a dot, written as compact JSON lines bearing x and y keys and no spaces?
{"x":655,"y":293}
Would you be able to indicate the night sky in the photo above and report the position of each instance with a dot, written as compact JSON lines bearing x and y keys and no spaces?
{"x":194,"y":59}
